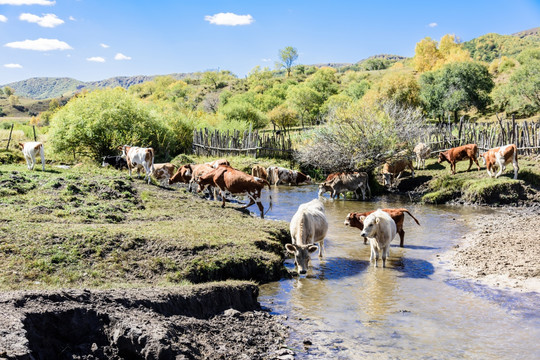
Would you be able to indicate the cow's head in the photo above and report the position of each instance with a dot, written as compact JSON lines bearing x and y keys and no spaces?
{"x":204,"y":181}
{"x":104,"y":163}
{"x":182,"y":175}
{"x":442,"y":157}
{"x":371,"y":223}
{"x":124,"y":149}
{"x":324,"y":187}
{"x":353,"y":219}
{"x":387,"y":179}
{"x":301,"y":255}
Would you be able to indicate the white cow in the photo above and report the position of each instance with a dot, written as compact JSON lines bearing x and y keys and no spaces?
{"x":137,"y":157}
{"x":380,"y":229}
{"x":30,"y":150}
{"x":422,"y":152}
{"x":308,"y":226}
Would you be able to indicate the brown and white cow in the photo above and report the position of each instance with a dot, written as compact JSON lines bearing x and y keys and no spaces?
{"x":308,"y":226}
{"x":137,"y":157}
{"x":499,"y":158}
{"x":398,"y":215}
{"x":218,"y":162}
{"x":163,"y":172}
{"x":396,"y":167}
{"x":236,"y":182}
{"x":422,"y":152}
{"x":188,"y":174}
{"x":259,"y":171}
{"x":469,"y":151}
{"x":341,"y":183}
{"x":280,"y":175}
{"x":30,"y":150}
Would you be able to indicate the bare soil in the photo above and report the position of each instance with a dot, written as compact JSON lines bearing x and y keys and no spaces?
{"x":213,"y":321}
{"x":504,"y":251}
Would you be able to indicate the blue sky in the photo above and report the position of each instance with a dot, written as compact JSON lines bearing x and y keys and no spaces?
{"x":97,"y":39}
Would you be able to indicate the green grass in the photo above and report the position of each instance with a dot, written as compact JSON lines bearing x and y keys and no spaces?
{"x":97,"y":228}
{"x":476,"y":186}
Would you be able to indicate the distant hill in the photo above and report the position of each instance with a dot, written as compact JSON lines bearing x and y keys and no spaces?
{"x":492,"y":46}
{"x":49,"y":87}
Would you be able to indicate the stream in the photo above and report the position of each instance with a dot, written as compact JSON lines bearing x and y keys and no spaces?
{"x":415,"y":308}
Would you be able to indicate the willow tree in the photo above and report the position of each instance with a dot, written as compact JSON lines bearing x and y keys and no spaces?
{"x":288,"y":56}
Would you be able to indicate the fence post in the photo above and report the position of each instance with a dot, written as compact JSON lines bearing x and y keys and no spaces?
{"x":9,"y":140}
{"x":34,"y":128}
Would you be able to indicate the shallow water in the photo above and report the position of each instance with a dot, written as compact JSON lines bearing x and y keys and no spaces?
{"x":413,"y":309}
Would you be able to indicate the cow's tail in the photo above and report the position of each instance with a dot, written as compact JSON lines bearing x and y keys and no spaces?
{"x":42,"y":153}
{"x":407,"y":211}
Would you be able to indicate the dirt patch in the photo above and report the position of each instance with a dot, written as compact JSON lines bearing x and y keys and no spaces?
{"x":503,"y":251}
{"x":213,"y":321}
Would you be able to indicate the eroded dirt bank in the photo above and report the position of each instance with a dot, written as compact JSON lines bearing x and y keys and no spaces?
{"x":503,"y":250}
{"x":214,"y":321}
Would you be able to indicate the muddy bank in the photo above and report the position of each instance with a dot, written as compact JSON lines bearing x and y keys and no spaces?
{"x":503,"y":251}
{"x":213,"y":321}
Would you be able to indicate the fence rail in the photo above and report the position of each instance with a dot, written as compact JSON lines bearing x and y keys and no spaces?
{"x":251,"y":143}
{"x":525,"y":135}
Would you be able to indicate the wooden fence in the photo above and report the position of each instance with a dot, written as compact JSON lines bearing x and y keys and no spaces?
{"x":251,"y":143}
{"x":526,"y":135}
{"x":10,"y":134}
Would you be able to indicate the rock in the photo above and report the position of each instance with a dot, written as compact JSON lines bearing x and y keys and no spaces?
{"x":231,"y":312}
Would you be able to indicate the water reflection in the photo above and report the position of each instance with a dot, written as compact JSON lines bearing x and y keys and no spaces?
{"x":349,"y":310}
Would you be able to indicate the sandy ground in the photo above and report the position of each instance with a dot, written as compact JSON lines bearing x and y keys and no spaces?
{"x":503,"y":251}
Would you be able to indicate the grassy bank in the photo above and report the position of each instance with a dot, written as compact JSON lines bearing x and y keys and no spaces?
{"x":435,"y":184}
{"x":94,"y":227}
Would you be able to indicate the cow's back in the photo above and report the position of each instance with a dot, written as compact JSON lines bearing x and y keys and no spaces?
{"x":309,"y":223}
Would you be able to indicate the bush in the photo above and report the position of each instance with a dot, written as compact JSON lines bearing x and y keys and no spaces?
{"x":96,"y":123}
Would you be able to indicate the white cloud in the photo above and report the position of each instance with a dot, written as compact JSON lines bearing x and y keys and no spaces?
{"x":27,"y":2}
{"x":105,"y":46}
{"x":121,"y":56}
{"x":96,"y":59}
{"x":72,"y":18}
{"x":3,"y":18}
{"x":39,"y":45}
{"x":433,"y":24}
{"x":47,"y":20}
{"x":266,"y":60}
{"x":13,"y":66}
{"x":229,"y":19}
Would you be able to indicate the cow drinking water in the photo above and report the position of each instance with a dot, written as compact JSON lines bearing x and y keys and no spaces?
{"x":308,"y":226}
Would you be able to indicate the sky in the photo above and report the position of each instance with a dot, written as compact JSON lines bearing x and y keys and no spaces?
{"x":93,"y":40}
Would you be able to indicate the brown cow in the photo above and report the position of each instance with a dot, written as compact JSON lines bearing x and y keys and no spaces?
{"x":236,"y":182}
{"x":390,"y":170}
{"x":163,"y":172}
{"x":398,"y":215}
{"x":469,"y":151}
{"x":259,"y":171}
{"x":499,"y":157}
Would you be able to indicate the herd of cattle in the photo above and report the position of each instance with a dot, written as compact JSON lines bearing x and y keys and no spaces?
{"x":309,"y":225}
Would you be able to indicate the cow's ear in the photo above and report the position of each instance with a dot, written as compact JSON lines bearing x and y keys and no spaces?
{"x":21,"y":145}
{"x":377,"y":220}
{"x":290,"y":248}
{"x":312,"y":248}
{"x":362,"y":218}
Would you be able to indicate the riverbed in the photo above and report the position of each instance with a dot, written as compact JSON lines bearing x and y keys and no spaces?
{"x":415,"y":308}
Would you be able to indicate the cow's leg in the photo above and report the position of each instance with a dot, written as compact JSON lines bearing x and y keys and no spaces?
{"x":28,"y":162}
{"x":501,"y":168}
{"x":261,"y":207}
{"x":399,"y":175}
{"x":401,"y":237}
{"x":470,"y":164}
{"x":453,"y":168}
{"x":321,"y":248}
{"x":384,"y":255}
{"x":33,"y":161}
{"x":477,"y":164}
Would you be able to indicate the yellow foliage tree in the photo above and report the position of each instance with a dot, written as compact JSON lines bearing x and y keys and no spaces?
{"x":426,"y":55}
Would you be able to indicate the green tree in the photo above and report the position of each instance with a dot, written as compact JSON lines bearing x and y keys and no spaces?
{"x":288,"y":56}
{"x":8,"y":91}
{"x":306,"y":101}
{"x":283,"y":117}
{"x":357,"y":90}
{"x":243,"y":111}
{"x":456,"y":87}
{"x":521,"y":94}
{"x":324,"y":81}
{"x":96,"y":123}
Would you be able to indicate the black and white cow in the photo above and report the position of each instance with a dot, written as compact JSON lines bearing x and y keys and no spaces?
{"x":115,"y":161}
